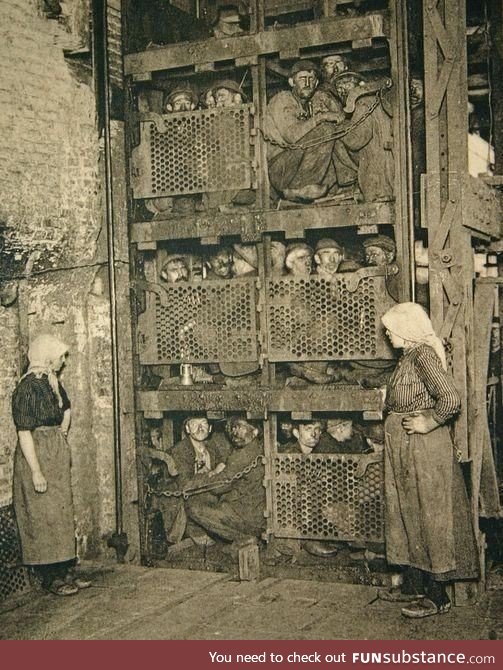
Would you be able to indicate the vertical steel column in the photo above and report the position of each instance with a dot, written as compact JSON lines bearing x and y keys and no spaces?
{"x":119,"y":539}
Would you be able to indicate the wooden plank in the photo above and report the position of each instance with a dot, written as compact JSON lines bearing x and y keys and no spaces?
{"x":485,"y":482}
{"x":260,"y":400}
{"x":328,"y":31}
{"x":251,"y":225}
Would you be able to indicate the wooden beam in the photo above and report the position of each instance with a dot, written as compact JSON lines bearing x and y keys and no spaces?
{"x":251,"y":225}
{"x":328,"y":31}
{"x":260,"y":400}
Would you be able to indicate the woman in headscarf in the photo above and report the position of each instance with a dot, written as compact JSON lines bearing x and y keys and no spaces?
{"x":427,"y":519}
{"x":42,"y":487}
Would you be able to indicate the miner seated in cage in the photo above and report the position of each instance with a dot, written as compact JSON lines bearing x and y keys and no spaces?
{"x":306,"y":440}
{"x":233,"y":510}
{"x":367,"y":135}
{"x":197,"y":458}
{"x":300,"y":149}
{"x":343,"y":435}
{"x":380,"y":252}
{"x":183,"y":97}
{"x":299,"y":264}
{"x":223,"y":263}
{"x":230,"y":21}
{"x":226,"y":94}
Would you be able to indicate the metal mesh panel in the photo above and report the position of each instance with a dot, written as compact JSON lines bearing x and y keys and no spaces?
{"x":193,"y":152}
{"x":218,"y":319}
{"x":327,"y":496}
{"x":13,"y":579}
{"x":316,"y":319}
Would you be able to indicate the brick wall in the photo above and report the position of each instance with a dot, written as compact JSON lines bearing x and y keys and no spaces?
{"x":48,"y":154}
{"x":51,"y":202}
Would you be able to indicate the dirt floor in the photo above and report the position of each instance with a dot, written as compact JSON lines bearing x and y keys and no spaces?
{"x":129,"y":602}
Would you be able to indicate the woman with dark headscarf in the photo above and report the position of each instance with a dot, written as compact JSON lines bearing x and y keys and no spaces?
{"x":42,"y":486}
{"x":428,"y":525}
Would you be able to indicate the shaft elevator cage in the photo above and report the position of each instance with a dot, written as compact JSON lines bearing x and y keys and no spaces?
{"x":270,"y":320}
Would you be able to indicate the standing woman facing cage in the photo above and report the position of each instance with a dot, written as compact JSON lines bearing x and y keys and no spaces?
{"x":42,"y":486}
{"x":428,"y":525}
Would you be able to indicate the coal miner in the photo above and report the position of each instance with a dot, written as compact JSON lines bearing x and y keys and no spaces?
{"x":182,"y":98}
{"x":228,"y":22}
{"x":325,"y":98}
{"x":219,"y":264}
{"x":197,"y":457}
{"x":299,"y":154}
{"x":234,"y":510}
{"x":380,"y":251}
{"x":329,"y":259}
{"x":299,"y":263}
{"x":368,"y":137}
{"x":244,"y":260}
{"x":227,"y":94}
{"x":175,"y":268}
{"x":307,"y":436}
{"x":344,"y":437}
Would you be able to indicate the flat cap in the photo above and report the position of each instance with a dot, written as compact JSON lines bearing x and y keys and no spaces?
{"x":304,"y":66}
{"x":230,"y":85}
{"x":298,"y":246}
{"x":348,"y":75}
{"x":328,"y":243}
{"x":382,"y":241}
{"x":182,"y":89}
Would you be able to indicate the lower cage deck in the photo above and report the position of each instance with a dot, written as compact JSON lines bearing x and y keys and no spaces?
{"x":335,"y":500}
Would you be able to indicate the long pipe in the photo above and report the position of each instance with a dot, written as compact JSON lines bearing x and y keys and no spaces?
{"x":111,"y":277}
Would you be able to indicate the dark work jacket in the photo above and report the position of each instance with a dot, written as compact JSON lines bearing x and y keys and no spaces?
{"x":248,"y":486}
{"x":184,"y":456}
{"x":355,"y":445}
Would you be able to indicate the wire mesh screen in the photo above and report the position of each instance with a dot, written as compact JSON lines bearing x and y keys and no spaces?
{"x":200,"y":323}
{"x":317,"y":319}
{"x":327,"y":496}
{"x":13,"y":578}
{"x":193,"y":152}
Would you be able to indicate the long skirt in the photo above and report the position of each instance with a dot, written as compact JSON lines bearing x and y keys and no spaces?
{"x":45,"y":520}
{"x":427,"y":515}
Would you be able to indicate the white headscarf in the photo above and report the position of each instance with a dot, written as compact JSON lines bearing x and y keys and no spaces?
{"x":43,"y":352}
{"x":409,"y":321}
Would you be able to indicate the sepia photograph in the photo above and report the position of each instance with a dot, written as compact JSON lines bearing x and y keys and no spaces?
{"x":252,"y":379}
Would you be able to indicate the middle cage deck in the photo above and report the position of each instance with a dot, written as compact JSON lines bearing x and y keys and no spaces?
{"x":305,"y":319}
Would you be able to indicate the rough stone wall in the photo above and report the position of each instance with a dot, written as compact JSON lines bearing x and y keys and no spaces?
{"x":51,"y":205}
